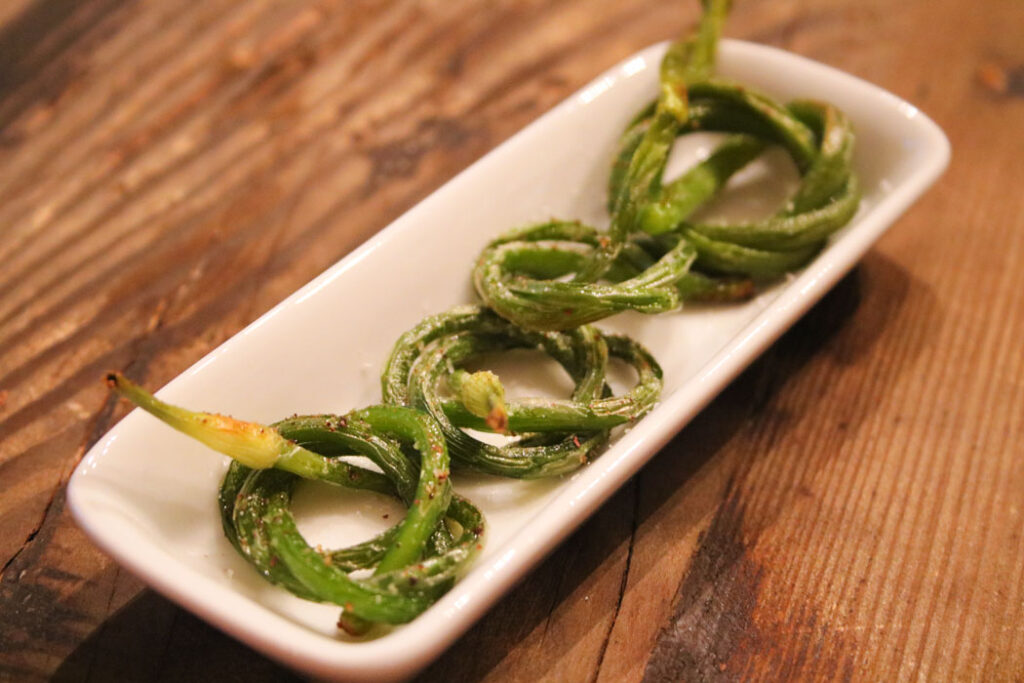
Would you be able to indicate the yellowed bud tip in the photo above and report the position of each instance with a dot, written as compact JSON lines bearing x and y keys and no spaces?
{"x":250,"y":443}
{"x":483,"y":395}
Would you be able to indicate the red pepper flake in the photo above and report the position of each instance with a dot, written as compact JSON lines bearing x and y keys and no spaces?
{"x":386,"y":515}
{"x":273,"y":560}
{"x":568,"y":311}
{"x":576,"y":440}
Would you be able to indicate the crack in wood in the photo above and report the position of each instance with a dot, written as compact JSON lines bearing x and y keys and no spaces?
{"x":100,"y":425}
{"x":31,"y":537}
{"x":634,"y":522}
{"x":56,"y":622}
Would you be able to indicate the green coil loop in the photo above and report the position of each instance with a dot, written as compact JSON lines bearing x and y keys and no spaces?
{"x":555,"y":436}
{"x":413,"y":563}
{"x":561,"y":274}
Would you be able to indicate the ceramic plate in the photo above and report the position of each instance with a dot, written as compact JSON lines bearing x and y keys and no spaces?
{"x":146,"y":494}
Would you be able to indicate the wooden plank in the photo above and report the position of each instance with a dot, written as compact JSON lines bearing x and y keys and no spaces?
{"x":849,"y":508}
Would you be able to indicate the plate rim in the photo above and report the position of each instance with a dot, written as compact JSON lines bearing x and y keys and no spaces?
{"x":582,"y":496}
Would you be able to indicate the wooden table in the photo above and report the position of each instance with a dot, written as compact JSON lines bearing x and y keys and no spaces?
{"x":852,"y":507}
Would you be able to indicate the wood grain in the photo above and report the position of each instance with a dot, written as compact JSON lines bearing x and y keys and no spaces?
{"x":851,"y":508}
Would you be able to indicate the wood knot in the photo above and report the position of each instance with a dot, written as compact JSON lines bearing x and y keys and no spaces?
{"x":1001,"y":79}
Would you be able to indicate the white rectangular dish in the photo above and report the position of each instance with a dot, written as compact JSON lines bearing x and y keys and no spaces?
{"x":147,"y":495}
